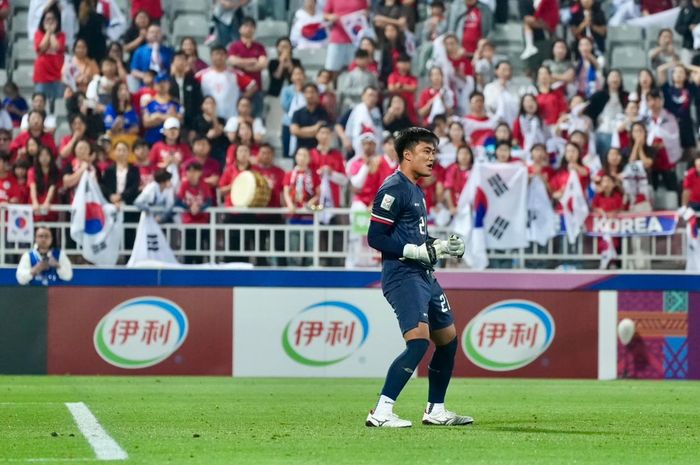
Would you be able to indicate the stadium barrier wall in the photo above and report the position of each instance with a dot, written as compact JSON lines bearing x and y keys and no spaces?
{"x":337,"y":323}
{"x":23,"y":325}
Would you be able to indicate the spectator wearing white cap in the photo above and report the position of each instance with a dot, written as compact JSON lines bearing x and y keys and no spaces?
{"x":169,"y":152}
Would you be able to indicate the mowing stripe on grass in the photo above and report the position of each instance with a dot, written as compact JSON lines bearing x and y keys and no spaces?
{"x":102,"y":443}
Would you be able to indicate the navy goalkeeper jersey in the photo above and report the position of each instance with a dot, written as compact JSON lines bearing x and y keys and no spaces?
{"x":400,"y":204}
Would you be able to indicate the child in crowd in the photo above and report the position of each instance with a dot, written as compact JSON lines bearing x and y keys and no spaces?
{"x":193,"y":198}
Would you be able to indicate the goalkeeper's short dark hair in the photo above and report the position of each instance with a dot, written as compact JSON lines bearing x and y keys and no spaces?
{"x":410,"y":137}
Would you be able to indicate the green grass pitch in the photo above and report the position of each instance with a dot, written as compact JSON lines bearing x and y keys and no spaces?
{"x":197,"y":420}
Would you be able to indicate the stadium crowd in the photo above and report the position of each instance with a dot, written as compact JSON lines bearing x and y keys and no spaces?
{"x":157,"y":124}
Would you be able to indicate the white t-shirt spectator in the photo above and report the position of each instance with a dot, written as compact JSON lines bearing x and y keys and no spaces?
{"x":49,"y":123}
{"x":258,"y":126}
{"x":501,"y":101}
{"x":226,"y":88}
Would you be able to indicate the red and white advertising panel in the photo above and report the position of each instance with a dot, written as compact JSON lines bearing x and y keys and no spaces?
{"x":150,"y":331}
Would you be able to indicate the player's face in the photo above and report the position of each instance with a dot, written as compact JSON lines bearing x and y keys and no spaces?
{"x":421,"y":159}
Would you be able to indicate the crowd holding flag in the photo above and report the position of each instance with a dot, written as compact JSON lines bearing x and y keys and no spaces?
{"x":575,"y":207}
{"x":150,"y":244}
{"x":96,"y":225}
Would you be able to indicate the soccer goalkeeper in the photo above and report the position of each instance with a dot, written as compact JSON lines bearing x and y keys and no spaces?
{"x":399,"y":231}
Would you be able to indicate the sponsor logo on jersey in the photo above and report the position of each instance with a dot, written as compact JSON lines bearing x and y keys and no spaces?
{"x":140,"y":332}
{"x":325,"y":333}
{"x":508,"y":335}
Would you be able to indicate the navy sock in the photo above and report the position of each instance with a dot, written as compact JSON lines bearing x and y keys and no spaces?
{"x":401,"y":370}
{"x":440,"y":371}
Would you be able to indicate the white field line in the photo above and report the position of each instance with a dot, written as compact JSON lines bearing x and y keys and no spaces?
{"x":102,"y":443}
{"x":52,"y":460}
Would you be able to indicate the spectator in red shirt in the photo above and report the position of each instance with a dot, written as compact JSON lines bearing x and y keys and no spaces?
{"x":570,"y":164}
{"x":691,"y":186}
{"x":539,"y":165}
{"x":8,"y":183}
{"x":368,"y":45}
{"x":437,"y":99}
{"x":329,"y":164}
{"x":243,"y":136}
{"x":19,"y":170}
{"x":50,"y":47}
{"x":240,"y":162}
{"x":36,"y":129}
{"x":472,"y":25}
{"x":194,"y":197}
{"x":301,"y":191}
{"x":169,"y":153}
{"x":552,"y":102}
{"x":251,"y":58}
{"x":403,"y":84}
{"x":211,"y":169}
{"x":608,"y":202}
{"x":153,"y":8}
{"x":143,"y":162}
{"x":31,"y":150}
{"x":340,"y":49}
{"x":66,"y":146}
{"x":272,"y":173}
{"x":456,"y":177}
{"x":44,"y":183}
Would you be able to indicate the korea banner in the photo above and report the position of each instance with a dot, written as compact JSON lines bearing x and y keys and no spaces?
{"x":150,"y":244}
{"x":20,"y":223}
{"x":95,"y":224}
{"x":634,"y":224}
{"x":575,"y":207}
{"x":356,"y":26}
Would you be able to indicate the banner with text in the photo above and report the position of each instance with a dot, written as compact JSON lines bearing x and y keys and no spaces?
{"x":659,"y":223}
{"x":314,"y":332}
{"x":532,"y":334}
{"x":140,"y":331}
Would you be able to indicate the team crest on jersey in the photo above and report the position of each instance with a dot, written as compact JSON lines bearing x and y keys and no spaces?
{"x":387,"y":202}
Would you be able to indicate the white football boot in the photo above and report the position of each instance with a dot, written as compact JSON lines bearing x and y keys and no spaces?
{"x":445,"y":418}
{"x":391,"y":420}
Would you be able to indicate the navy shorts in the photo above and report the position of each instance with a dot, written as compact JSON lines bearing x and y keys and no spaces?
{"x":417,"y":296}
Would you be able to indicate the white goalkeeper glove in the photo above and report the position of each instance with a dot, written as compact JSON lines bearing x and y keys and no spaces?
{"x":425,"y":253}
{"x":433,"y":250}
{"x":455,"y":246}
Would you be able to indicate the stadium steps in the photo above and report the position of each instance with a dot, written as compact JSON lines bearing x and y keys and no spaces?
{"x":268,"y":31}
{"x":190,"y":25}
{"x":628,"y":58}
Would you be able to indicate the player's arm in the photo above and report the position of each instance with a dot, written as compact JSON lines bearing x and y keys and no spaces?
{"x":385,"y":211}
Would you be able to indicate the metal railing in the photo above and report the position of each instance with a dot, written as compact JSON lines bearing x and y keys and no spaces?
{"x":266,"y":237}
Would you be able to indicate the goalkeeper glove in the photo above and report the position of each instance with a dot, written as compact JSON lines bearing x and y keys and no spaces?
{"x":424,"y":253}
{"x":455,"y":246}
{"x":433,"y":250}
